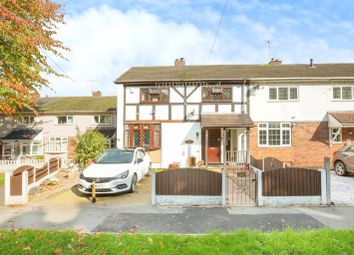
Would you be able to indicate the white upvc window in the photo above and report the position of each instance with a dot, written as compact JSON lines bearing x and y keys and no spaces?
{"x":343,"y":93}
{"x":283,"y":93}
{"x":64,"y":120}
{"x":37,"y":148}
{"x":103,"y":119}
{"x":336,"y":135}
{"x":26,"y":149}
{"x":274,"y":134}
{"x":25,"y":120}
{"x":56,"y":144}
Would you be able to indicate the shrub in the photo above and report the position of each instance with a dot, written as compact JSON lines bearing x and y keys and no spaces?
{"x":89,"y":146}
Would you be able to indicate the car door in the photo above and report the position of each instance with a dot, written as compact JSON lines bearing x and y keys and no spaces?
{"x":350,"y":158}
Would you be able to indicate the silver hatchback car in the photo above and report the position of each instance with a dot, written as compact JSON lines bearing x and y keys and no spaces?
{"x":344,"y":160}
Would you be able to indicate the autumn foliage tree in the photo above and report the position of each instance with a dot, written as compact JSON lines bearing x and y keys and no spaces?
{"x":27,"y":30}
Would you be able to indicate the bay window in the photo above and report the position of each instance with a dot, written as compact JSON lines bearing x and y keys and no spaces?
{"x":56,"y":144}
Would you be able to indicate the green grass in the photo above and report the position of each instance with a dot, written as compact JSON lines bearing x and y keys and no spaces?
{"x":2,"y":179}
{"x":322,"y":241}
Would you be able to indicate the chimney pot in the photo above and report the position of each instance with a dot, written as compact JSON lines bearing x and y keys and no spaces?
{"x":275,"y":62}
{"x":180,"y":62}
{"x":97,"y":93}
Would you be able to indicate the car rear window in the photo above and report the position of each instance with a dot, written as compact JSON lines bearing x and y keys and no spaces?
{"x":115,"y":157}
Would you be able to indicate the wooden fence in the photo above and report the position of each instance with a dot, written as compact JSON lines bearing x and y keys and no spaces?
{"x":21,"y":180}
{"x":188,"y":181}
{"x":291,"y":182}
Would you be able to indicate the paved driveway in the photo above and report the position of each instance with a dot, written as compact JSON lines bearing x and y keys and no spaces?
{"x":342,"y":189}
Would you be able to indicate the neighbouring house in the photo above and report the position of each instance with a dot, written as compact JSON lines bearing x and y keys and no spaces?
{"x":279,"y":114}
{"x":51,"y":132}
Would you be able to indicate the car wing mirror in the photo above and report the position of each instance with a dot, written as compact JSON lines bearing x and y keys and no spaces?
{"x":139,"y":160}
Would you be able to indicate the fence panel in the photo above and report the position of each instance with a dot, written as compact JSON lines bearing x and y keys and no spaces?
{"x":291,"y":182}
{"x":188,"y":181}
{"x":41,"y":172}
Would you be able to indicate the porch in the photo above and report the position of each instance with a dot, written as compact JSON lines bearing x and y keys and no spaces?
{"x":340,"y":127}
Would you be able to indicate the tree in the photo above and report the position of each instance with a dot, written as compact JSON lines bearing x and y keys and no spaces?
{"x":27,"y":28}
{"x":88,"y":146}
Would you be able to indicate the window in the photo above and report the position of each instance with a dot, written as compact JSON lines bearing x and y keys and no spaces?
{"x":36,"y":148}
{"x":283,"y":94}
{"x":103,"y":119}
{"x":274,"y":134}
{"x":64,"y":120}
{"x":333,"y":134}
{"x":216,"y":93}
{"x":56,"y":144}
{"x":142,"y":135}
{"x":343,"y":93}
{"x":25,"y":149}
{"x":7,"y":149}
{"x":25,"y":120}
{"x":154,"y":95}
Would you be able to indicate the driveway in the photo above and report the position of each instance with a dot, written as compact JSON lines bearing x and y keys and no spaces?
{"x":342,"y":189}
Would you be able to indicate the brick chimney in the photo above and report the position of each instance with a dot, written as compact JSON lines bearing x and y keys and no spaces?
{"x":275,"y":62}
{"x":180,"y":62}
{"x":97,"y":93}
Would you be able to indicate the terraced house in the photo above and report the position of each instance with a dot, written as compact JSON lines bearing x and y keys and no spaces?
{"x":274,"y":114}
{"x":52,"y":131}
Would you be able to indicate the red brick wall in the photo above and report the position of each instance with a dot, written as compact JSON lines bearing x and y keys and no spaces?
{"x":309,"y":146}
{"x":71,"y":147}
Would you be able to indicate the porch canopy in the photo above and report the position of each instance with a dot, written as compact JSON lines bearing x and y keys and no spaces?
{"x":22,"y":134}
{"x":108,"y":132}
{"x":229,"y":120}
{"x":341,"y":119}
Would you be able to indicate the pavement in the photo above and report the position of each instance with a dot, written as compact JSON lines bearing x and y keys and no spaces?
{"x":66,"y":208}
{"x":342,"y":189}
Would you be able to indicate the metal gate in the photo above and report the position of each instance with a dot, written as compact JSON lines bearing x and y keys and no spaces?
{"x":240,"y":180}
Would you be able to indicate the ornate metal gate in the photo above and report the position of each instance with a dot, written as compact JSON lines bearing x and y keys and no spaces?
{"x":240,"y":180}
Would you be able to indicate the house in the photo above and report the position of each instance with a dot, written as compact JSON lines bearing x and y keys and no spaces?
{"x":51,"y":132}
{"x":274,"y":114}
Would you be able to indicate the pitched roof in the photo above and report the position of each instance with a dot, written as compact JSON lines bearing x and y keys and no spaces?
{"x":235,"y":72}
{"x":341,"y":119}
{"x":81,"y":104}
{"x":22,"y":134}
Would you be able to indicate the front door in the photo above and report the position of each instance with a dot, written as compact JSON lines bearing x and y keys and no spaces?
{"x":214,"y":145}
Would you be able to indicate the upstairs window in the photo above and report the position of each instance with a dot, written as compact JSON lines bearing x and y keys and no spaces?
{"x":103,"y":119}
{"x":216,"y":93}
{"x":25,"y":120}
{"x":154,"y":95}
{"x":283,"y":94}
{"x":64,"y":120}
{"x":343,"y":93}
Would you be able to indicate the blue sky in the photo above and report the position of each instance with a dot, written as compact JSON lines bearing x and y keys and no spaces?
{"x":108,"y":37}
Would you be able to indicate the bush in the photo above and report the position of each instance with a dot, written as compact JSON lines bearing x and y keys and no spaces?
{"x":89,"y":146}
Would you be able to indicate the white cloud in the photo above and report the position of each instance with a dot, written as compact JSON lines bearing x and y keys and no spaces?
{"x":105,"y":42}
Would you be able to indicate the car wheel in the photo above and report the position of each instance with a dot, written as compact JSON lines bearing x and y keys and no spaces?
{"x":149,"y":170}
{"x":340,"y":168}
{"x":134,"y":184}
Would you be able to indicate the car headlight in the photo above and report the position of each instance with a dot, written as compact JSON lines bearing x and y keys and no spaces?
{"x":122,"y":175}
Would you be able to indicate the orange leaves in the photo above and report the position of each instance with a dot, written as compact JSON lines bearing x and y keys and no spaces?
{"x":26,"y":33}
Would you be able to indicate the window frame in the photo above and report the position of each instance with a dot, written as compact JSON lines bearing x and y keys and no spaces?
{"x":48,"y":148}
{"x":21,"y":120}
{"x":212,"y":92}
{"x":341,"y":92}
{"x":150,"y":92}
{"x":281,"y":129}
{"x":66,"y":120}
{"x":154,"y":135}
{"x":288,"y":95}
{"x":99,"y":122}
{"x":340,"y":135}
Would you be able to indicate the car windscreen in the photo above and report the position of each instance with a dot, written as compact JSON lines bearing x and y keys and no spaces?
{"x":115,"y":157}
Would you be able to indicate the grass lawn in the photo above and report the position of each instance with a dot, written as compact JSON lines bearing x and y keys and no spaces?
{"x":2,"y":179}
{"x":322,"y":241}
